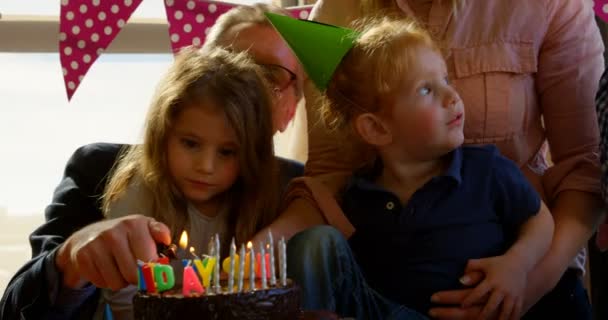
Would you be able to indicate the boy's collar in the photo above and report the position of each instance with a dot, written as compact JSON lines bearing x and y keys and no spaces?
{"x":364,"y":178}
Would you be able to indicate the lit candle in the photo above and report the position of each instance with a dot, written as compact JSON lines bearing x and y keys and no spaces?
{"x":191,"y":283}
{"x":216,"y":272}
{"x":183,"y":244}
{"x":263,"y":267}
{"x":231,"y":270}
{"x":273,"y":278}
{"x":165,"y":279}
{"x":283,"y":258}
{"x":251,"y":266}
{"x":241,"y":268}
{"x":193,"y":253}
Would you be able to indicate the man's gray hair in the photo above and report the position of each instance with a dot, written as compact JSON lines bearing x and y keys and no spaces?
{"x":253,"y":14}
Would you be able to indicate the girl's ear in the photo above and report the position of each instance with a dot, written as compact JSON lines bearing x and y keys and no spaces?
{"x":373,"y":130}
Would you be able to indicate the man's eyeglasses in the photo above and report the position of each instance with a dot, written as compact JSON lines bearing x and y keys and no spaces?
{"x":279,"y":76}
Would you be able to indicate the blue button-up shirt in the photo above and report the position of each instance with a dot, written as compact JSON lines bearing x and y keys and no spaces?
{"x":409,"y":251}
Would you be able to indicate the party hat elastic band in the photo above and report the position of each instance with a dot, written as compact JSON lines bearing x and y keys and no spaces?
{"x":319,"y":47}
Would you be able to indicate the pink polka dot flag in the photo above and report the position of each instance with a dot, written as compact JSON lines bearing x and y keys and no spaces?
{"x":601,"y":9}
{"x":87,"y":27}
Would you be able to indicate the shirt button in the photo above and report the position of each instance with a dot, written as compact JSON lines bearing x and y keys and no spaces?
{"x":390,"y":205}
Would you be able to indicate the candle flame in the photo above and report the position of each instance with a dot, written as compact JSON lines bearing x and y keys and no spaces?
{"x":183,"y":240}
{"x":249,"y":245}
{"x":192,"y":250}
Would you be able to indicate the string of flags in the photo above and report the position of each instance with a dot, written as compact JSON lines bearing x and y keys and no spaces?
{"x":88,"y":27}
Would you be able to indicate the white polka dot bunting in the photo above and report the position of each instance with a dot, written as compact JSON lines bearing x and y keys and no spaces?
{"x":190,"y":20}
{"x":89,"y":26}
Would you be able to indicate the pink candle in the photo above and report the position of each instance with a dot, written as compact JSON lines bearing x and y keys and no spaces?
{"x":191,"y":283}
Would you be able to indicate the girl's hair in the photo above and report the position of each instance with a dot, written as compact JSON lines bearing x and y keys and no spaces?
{"x":373,"y":70}
{"x":236,"y":84}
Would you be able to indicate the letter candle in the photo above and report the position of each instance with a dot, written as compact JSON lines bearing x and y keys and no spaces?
{"x":273,"y":279}
{"x":241,"y":268}
{"x":251,"y":266}
{"x":231,"y":271}
{"x":216,"y":272}
{"x":283,"y":260}
{"x":263,"y":266}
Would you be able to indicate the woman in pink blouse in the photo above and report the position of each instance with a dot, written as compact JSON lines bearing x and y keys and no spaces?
{"x":528,"y":72}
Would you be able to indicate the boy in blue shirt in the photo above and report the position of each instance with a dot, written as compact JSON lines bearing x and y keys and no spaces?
{"x":427,"y":210}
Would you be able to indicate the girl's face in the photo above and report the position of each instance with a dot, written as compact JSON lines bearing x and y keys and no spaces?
{"x":427,"y":116}
{"x":203,"y":155}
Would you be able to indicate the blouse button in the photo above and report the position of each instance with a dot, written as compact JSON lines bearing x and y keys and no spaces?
{"x":390,"y":205}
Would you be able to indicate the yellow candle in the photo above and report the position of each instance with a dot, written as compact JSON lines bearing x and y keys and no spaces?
{"x":205,"y":268}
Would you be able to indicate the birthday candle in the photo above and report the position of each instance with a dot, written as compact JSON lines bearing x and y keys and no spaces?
{"x":231,"y":270}
{"x":263,"y":266}
{"x":164,"y":277}
{"x":216,"y":272}
{"x":149,"y":277}
{"x":211,"y":246}
{"x":241,"y":268}
{"x":251,"y":266}
{"x":273,"y":279}
{"x":191,"y":282}
{"x":141,"y":282}
{"x":283,"y":256}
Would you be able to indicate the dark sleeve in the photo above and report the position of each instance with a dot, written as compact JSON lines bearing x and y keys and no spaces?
{"x":289,"y":169}
{"x":514,"y":198}
{"x":75,"y":204}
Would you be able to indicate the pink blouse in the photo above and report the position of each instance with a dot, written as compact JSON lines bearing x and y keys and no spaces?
{"x":527,"y":71}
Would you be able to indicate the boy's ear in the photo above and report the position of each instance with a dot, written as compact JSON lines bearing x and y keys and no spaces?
{"x":373,"y":130}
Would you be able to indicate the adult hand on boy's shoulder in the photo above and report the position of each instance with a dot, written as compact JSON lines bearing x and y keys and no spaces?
{"x":503,"y":287}
{"x":105,"y":253}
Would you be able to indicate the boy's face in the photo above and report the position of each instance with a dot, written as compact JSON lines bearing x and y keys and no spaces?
{"x":427,"y":115}
{"x":203,"y":160}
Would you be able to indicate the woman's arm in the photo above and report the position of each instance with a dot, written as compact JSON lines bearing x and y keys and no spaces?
{"x":576,"y":215}
{"x":570,"y":65}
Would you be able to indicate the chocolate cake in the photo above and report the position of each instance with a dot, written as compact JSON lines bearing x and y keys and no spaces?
{"x":272,"y":303}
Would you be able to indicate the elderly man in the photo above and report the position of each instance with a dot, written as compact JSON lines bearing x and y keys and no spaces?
{"x":50,"y":285}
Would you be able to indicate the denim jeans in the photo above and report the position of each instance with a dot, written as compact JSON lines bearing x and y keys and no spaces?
{"x":321,"y":262}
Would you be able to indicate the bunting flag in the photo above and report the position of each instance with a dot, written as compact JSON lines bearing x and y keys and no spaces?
{"x":601,"y":9}
{"x":87,"y":27}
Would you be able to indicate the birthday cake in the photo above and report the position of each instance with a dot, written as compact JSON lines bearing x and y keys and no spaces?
{"x":272,"y":303}
{"x":186,"y":286}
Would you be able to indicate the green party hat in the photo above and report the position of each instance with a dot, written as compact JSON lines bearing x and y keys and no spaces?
{"x":319,"y":47}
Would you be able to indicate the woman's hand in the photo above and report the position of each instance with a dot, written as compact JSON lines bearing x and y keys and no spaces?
{"x":105,"y":253}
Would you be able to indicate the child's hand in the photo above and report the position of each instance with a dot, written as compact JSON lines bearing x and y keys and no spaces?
{"x":104,"y":253}
{"x":504,"y":284}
